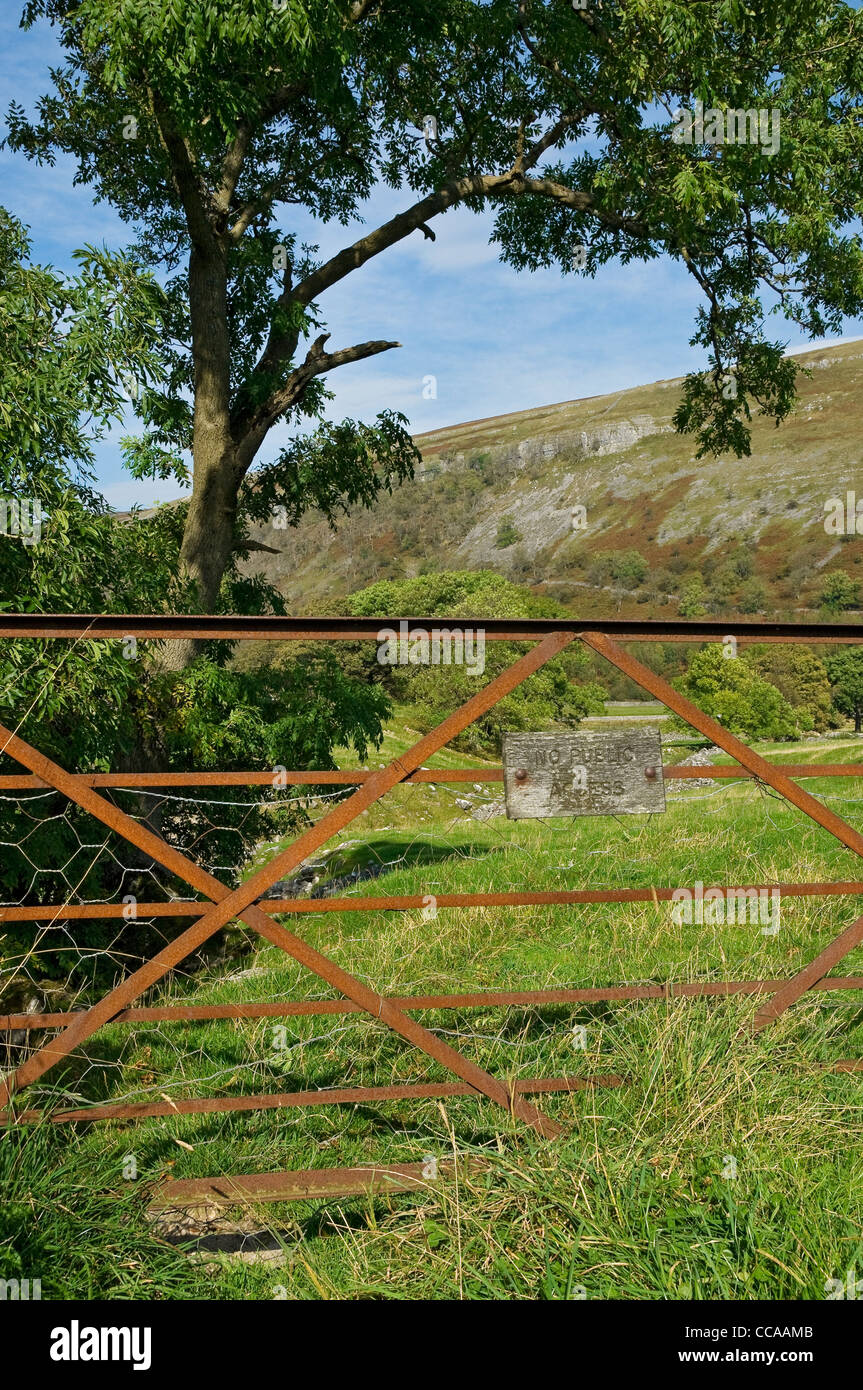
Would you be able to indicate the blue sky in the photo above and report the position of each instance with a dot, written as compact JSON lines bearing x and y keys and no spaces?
{"x":495,"y":339}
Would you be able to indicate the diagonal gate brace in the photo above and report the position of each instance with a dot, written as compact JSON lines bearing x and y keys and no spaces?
{"x":240,"y":902}
{"x":775,"y":778}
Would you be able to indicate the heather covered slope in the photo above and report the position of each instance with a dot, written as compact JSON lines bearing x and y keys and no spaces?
{"x":734,"y":535}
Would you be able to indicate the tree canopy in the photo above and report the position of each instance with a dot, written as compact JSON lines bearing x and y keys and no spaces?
{"x":208,"y":126}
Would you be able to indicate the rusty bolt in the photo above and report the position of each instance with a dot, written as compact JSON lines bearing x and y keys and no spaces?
{"x":650,"y":773}
{"x":521,"y":775}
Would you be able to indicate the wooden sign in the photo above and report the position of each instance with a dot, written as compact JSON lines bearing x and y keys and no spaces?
{"x":583,"y":774}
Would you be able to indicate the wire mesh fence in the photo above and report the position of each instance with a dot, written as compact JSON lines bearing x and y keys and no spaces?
{"x":101,"y":871}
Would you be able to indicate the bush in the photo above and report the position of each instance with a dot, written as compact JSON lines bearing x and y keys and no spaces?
{"x":560,"y":693}
{"x":692,"y":597}
{"x":838,"y":592}
{"x":753,"y":597}
{"x":628,"y":568}
{"x":737,"y":697}
{"x":507,"y":534}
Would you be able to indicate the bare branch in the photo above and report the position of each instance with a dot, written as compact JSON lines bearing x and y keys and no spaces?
{"x":252,"y":431}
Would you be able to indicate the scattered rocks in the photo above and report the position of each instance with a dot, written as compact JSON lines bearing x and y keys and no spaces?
{"x":703,"y":757}
{"x":489,"y":810}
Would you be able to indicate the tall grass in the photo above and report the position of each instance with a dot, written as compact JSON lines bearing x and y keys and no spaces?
{"x":729,"y":1166}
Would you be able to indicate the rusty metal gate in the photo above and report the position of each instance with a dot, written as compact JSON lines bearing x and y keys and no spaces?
{"x":218,"y":904}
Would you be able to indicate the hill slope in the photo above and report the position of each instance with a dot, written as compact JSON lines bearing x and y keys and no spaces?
{"x":499,"y":494}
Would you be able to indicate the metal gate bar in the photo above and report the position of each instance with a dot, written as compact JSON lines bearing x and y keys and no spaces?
{"x":224,"y":904}
{"x":348,"y":1095}
{"x":95,"y":627}
{"x":770,"y":773}
{"x":348,"y":779}
{"x":229,"y":904}
{"x":313,"y":907}
{"x":482,"y":999}
{"x":306,"y":1185}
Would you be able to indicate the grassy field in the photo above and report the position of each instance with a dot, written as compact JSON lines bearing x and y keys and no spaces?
{"x":618,"y":710}
{"x":728,"y":1168}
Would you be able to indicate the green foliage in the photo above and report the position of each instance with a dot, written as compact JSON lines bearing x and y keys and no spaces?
{"x":339,"y":466}
{"x":692,"y":596}
{"x":565,"y":129}
{"x":730,"y":691}
{"x":561,"y":692}
{"x":507,"y":534}
{"x":753,"y":596}
{"x":800,"y":676}
{"x":289,"y":714}
{"x":838,"y":592}
{"x":71,"y":348}
{"x":845,"y":671}
{"x":109,"y":705}
{"x":628,"y":568}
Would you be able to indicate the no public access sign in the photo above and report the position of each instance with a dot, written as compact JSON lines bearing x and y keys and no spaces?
{"x":583,"y":774}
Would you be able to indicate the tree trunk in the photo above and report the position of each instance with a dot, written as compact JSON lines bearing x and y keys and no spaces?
{"x":857,"y":716}
{"x":209,"y":533}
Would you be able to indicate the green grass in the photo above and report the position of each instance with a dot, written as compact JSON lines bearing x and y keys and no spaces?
{"x":631,"y":1203}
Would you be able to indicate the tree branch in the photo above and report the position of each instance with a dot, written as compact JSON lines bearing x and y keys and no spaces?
{"x":191,"y":189}
{"x":275,"y":105}
{"x":585,"y":202}
{"x":455,"y":191}
{"x":251,"y":432}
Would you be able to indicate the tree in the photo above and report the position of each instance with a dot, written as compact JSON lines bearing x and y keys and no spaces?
{"x":838,"y":592}
{"x":67,"y":343}
{"x":629,"y":568}
{"x":205,"y":125}
{"x":692,"y":597}
{"x":731,"y":692}
{"x":753,"y":596}
{"x":507,"y":534}
{"x":801,"y":678}
{"x":845,"y":669}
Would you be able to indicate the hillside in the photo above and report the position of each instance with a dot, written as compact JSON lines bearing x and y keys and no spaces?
{"x":730,"y":535}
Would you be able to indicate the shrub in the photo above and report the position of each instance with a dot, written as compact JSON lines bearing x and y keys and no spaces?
{"x":736,"y":696}
{"x":692,"y":597}
{"x":838,"y":592}
{"x":753,"y":597}
{"x":507,"y":534}
{"x":560,"y":693}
